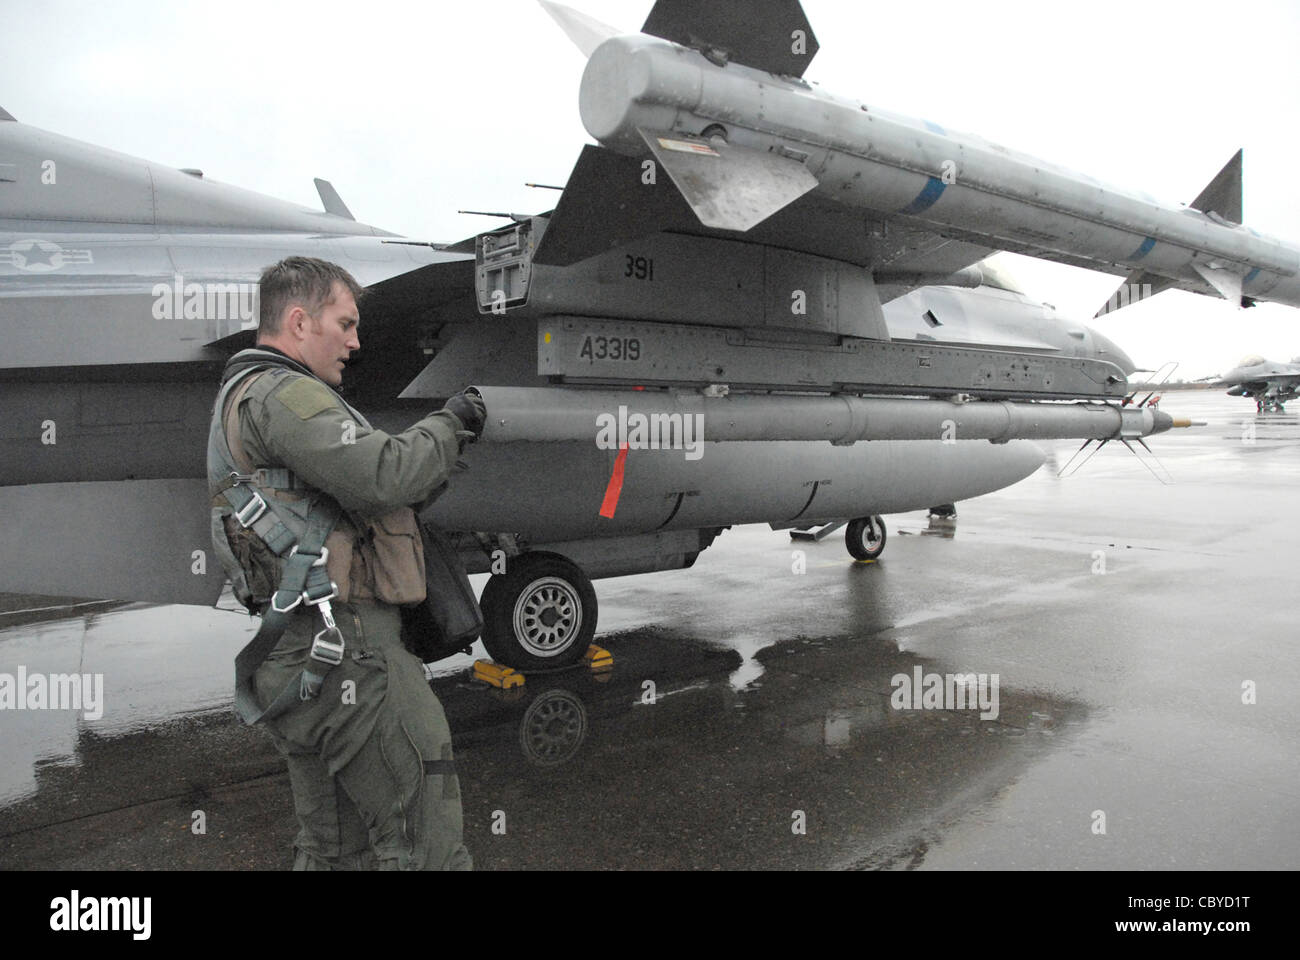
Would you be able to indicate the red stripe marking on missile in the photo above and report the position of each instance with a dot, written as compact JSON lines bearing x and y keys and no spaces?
{"x":615,"y":487}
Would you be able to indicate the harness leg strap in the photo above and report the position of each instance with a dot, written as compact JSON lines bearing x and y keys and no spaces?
{"x":303,"y":578}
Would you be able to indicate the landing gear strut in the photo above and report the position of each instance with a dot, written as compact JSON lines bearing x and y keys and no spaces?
{"x":540,"y":614}
{"x":865,"y":537}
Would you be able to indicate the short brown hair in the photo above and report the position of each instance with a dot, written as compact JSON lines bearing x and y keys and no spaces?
{"x":305,"y":281}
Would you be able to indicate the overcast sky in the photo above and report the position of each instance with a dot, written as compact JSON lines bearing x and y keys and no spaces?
{"x":416,"y":110}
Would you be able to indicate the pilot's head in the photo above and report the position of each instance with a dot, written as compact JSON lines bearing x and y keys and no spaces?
{"x":308,"y":310}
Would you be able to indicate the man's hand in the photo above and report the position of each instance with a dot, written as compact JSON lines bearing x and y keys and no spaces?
{"x":470,"y":409}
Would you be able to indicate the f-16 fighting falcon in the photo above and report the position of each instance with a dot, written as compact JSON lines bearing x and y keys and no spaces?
{"x":1268,"y":383}
{"x":754,"y":301}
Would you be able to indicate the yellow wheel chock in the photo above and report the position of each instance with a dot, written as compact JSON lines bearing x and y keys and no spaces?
{"x":497,"y":675}
{"x":598,"y":658}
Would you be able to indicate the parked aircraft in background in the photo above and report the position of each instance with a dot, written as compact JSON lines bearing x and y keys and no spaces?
{"x":1269,"y":383}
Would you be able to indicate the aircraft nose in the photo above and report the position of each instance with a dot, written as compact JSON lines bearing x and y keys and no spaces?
{"x":1108,"y":350}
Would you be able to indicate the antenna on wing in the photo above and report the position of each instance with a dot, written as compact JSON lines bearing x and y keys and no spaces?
{"x":516,"y":217}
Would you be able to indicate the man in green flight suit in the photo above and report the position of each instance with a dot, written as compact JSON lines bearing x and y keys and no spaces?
{"x":313,"y":521}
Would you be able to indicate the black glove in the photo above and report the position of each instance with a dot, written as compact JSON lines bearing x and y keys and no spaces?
{"x":470,"y":409}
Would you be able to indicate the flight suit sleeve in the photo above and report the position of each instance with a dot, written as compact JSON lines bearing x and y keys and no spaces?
{"x":303,"y":426}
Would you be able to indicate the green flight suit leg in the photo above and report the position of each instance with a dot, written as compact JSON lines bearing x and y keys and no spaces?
{"x":331,"y":833}
{"x":381,"y":740}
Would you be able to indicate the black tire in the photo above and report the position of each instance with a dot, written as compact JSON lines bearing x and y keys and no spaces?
{"x":540,"y":614}
{"x":865,"y":537}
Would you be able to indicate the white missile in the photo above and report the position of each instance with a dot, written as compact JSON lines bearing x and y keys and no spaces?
{"x":741,"y":143}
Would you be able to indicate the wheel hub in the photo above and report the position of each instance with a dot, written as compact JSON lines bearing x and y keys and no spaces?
{"x":547,"y":617}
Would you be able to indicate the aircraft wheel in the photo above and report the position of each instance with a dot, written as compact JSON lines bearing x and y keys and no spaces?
{"x":540,"y":614}
{"x":865,"y":537}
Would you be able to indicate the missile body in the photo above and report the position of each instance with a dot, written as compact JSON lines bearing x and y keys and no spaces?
{"x":517,"y":414}
{"x":640,"y":91}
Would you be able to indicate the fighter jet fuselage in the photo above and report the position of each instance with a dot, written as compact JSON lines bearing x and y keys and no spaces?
{"x":754,"y":302}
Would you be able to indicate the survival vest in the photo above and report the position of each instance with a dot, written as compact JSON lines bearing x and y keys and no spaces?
{"x":281,"y":542}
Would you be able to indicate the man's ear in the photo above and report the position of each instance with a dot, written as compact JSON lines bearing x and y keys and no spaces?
{"x":295,"y":322}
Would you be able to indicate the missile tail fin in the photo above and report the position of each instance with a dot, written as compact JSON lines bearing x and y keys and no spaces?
{"x":1223,"y":195}
{"x":1221,"y":199}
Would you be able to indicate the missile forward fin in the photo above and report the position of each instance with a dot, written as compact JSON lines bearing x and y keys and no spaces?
{"x":729,"y":187}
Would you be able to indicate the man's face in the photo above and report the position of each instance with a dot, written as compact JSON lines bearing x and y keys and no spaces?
{"x":331,"y":336}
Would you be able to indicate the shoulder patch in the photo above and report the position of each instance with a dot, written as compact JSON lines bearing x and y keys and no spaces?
{"x":306,"y":397}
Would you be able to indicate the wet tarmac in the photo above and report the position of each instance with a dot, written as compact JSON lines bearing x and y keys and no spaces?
{"x":750,"y":719}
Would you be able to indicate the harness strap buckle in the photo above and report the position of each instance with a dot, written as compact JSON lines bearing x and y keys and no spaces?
{"x":319,"y":561}
{"x":297,"y":599}
{"x":251,"y":512}
{"x":329,"y":651}
{"x":322,"y":601}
